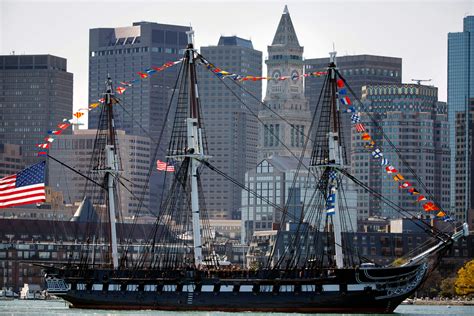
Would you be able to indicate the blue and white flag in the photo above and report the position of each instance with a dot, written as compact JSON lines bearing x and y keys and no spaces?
{"x":330,"y":211}
{"x":351,"y":109}
{"x":377,"y":153}
{"x":355,"y":118}
{"x":384,"y":162}
{"x":331,"y":199}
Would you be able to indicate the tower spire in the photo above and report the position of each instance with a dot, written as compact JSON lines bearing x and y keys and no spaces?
{"x":286,"y":34}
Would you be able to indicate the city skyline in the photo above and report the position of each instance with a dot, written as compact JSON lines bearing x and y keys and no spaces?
{"x":424,"y":52}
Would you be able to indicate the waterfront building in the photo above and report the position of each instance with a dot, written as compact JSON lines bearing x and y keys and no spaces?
{"x":121,"y":52}
{"x":36,"y":95}
{"x":359,"y":71}
{"x":231,"y":129}
{"x":416,"y":123}
{"x":24,"y":243}
{"x":76,"y":150}
{"x":460,"y":90}
{"x":10,"y":159}
{"x":284,"y":97}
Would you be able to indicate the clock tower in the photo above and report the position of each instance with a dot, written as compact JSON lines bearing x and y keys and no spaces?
{"x":285,"y":97}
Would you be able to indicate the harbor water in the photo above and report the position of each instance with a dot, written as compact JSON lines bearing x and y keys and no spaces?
{"x":56,"y":308}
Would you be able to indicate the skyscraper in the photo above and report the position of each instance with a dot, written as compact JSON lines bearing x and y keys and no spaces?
{"x":122,"y":52}
{"x":416,"y":124}
{"x":460,"y":90}
{"x":359,"y":71}
{"x":36,"y":96}
{"x":231,"y":129}
{"x":285,"y":97}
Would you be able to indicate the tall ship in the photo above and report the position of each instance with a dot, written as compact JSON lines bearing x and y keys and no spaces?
{"x":318,"y":270}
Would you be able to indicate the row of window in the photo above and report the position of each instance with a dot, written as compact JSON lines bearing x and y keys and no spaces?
{"x":122,"y":51}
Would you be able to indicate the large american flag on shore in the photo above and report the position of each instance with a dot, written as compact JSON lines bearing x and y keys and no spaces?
{"x":25,"y":187}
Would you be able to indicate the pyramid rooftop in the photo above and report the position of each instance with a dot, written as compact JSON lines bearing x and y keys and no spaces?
{"x":285,"y":34}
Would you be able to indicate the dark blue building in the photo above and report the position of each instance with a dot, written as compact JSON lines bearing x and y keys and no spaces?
{"x":460,"y":90}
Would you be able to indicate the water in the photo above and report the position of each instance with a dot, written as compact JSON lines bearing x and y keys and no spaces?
{"x":56,"y":308}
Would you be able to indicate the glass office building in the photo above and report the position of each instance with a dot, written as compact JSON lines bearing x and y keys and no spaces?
{"x":460,"y":90}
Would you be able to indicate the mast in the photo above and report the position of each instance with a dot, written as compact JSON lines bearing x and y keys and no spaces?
{"x":194,"y":150}
{"x":335,"y":160}
{"x":111,"y":170}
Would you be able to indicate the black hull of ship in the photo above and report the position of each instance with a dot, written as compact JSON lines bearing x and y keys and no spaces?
{"x":241,"y":302}
{"x":375,"y":290}
{"x":237,"y":302}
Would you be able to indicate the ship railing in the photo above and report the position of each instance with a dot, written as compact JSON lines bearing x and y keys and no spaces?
{"x":463,"y":232}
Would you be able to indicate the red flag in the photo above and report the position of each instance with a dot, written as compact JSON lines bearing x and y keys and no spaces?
{"x":63,"y":125}
{"x":404,"y":185}
{"x":391,"y":169}
{"x":430,"y":206}
{"x":421,"y":198}
{"x":340,"y":83}
{"x":121,"y":90}
{"x":143,"y":75}
{"x":44,"y":146}
{"x":365,"y":136}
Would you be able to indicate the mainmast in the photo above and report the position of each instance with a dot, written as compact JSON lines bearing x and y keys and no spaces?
{"x":111,"y":171}
{"x":336,"y":160}
{"x":195,"y":150}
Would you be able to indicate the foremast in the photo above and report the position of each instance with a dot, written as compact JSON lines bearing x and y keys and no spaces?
{"x":332,"y":161}
{"x":336,"y":161}
{"x":111,"y":172}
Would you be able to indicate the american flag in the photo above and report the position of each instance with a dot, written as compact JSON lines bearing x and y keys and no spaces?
{"x":25,"y":187}
{"x":163,"y":166}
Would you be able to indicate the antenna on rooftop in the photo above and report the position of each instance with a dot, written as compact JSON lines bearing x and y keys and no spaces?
{"x":419,"y":81}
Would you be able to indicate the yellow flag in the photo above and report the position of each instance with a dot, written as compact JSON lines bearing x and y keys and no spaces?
{"x":398,"y":177}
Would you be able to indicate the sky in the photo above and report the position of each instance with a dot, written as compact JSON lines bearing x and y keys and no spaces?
{"x":415,"y":30}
